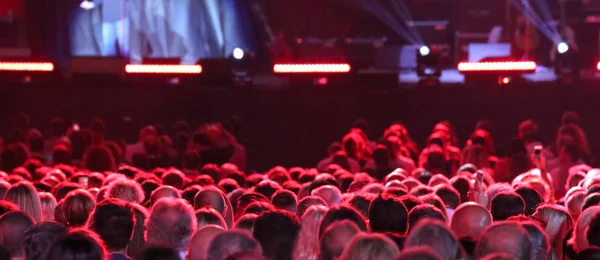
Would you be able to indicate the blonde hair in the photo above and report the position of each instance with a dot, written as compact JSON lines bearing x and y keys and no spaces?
{"x":25,"y":196}
{"x":307,"y":244}
{"x":558,"y":223}
{"x":371,"y":246}
{"x":48,"y":203}
{"x":579,"y":239}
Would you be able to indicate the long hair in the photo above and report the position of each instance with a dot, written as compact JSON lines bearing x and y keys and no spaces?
{"x":25,"y":196}
{"x":558,"y":223}
{"x":139,"y":229}
{"x":578,"y":137}
{"x":48,"y":203}
{"x":307,"y":244}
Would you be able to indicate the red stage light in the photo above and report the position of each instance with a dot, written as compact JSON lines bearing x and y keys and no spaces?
{"x":312,"y":68}
{"x":26,"y":66}
{"x":497,"y":66}
{"x":162,"y":69}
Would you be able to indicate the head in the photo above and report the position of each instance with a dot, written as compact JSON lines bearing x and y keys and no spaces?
{"x":77,"y":244}
{"x":174,"y":178}
{"x":164,"y":192}
{"x":48,"y":205}
{"x":336,"y":238}
{"x":422,"y":212}
{"x":307,"y":243}
{"x":277,"y":232}
{"x":342,"y":213}
{"x":39,"y":237}
{"x":531,"y":197}
{"x":540,"y":244}
{"x":475,"y":154}
{"x":77,"y":207}
{"x":201,"y":240}
{"x":25,"y":196}
{"x":419,"y":253}
{"x":448,"y":194}
{"x":139,"y":229}
{"x":556,"y":223}
{"x":436,"y":235}
{"x":231,"y":242}
{"x":504,"y":237}
{"x":574,"y":203}
{"x":370,"y":246}
{"x":208,"y":216}
{"x":388,"y":214}
{"x":329,"y":193}
{"x":246,"y":222}
{"x":579,"y":231}
{"x":113,"y":221}
{"x":127,"y":190}
{"x":172,"y":222}
{"x":12,"y":231}
{"x":308,"y":201}
{"x":507,"y":204}
{"x":592,"y":232}
{"x":528,"y":131}
{"x":285,"y":199}
{"x":470,"y":220}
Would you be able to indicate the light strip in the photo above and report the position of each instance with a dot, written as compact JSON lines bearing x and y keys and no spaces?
{"x":26,"y":66}
{"x":312,"y":68}
{"x":497,"y":66}
{"x":162,"y":69}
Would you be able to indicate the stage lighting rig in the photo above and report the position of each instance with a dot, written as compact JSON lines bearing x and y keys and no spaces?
{"x":429,"y":65}
{"x":566,"y":66}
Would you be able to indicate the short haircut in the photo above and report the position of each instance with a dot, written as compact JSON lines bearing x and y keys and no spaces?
{"x":77,"y":244}
{"x":331,"y":194}
{"x":7,"y":206}
{"x":387,"y":214}
{"x":308,"y":201}
{"x":593,"y":231}
{"x":419,"y":253}
{"x":158,"y":251}
{"x":12,"y":227}
{"x":424,"y":211}
{"x":462,"y":185}
{"x":285,"y":199}
{"x":38,"y":238}
{"x":228,"y":185}
{"x":171,"y":221}
{"x":335,"y":239}
{"x":173,"y":178}
{"x":591,"y":200}
{"x":341,"y":213}
{"x":127,"y":190}
{"x":231,"y":242}
{"x":113,"y":221}
{"x":77,"y":207}
{"x":448,"y":194}
{"x":531,"y":197}
{"x":507,"y":204}
{"x":361,"y":202}
{"x":246,"y":222}
{"x":370,"y":246}
{"x":438,"y":236}
{"x":277,"y":232}
{"x":208,"y":216}
{"x":504,"y":237}
{"x":410,"y":201}
{"x":258,"y":207}
{"x":496,"y":188}
{"x":267,"y":188}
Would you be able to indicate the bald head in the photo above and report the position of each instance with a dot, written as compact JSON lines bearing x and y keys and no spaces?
{"x":330,"y":194}
{"x":469,"y":220}
{"x":201,"y":240}
{"x":504,"y":237}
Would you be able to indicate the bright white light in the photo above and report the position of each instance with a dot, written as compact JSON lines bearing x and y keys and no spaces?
{"x":424,"y":50}
{"x":238,"y":53}
{"x":562,"y":47}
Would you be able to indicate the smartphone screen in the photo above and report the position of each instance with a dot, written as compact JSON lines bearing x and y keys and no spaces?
{"x":537,"y":151}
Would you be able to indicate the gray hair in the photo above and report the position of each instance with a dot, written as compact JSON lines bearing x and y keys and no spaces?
{"x":127,"y":190}
{"x":231,"y":242}
{"x":331,"y":194}
{"x":171,"y":221}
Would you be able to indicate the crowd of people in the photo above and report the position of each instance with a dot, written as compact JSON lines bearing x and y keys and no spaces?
{"x":74,"y":195}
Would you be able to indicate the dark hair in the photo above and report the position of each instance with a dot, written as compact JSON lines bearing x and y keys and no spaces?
{"x":58,"y":126}
{"x":593,"y":231}
{"x":246,"y":199}
{"x":267,"y":188}
{"x":531,"y":197}
{"x":12,"y":226}
{"x":387,"y":214}
{"x":277,"y":232}
{"x":230,"y":242}
{"x":61,"y":155}
{"x":99,"y":159}
{"x":39,"y":237}
{"x":285,"y":199}
{"x":190,"y":159}
{"x":149,"y":186}
{"x":337,"y":213}
{"x":7,"y":206}
{"x":190,"y":192}
{"x":308,"y":201}
{"x":228,"y":185}
{"x":113,"y":221}
{"x":361,"y":202}
{"x":158,"y":252}
{"x":77,"y":207}
{"x":462,"y":185}
{"x":591,"y":200}
{"x":410,"y":201}
{"x":449,"y":195}
{"x":507,"y":204}
{"x":75,"y":245}
{"x":13,"y":156}
{"x":208,"y":216}
{"x":173,"y":178}
{"x":424,"y":211}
